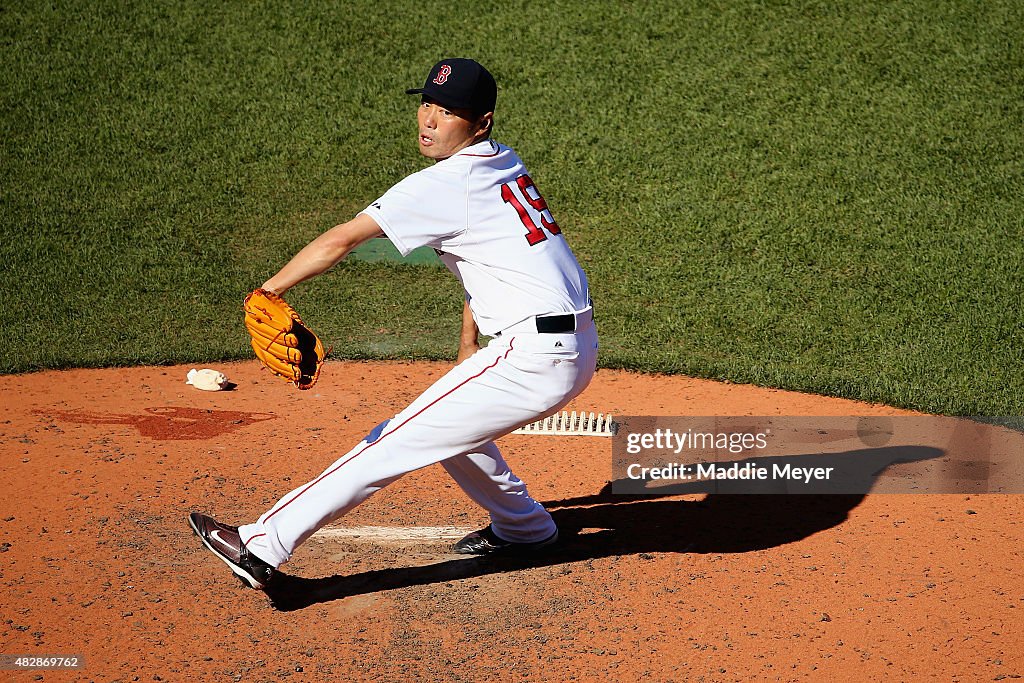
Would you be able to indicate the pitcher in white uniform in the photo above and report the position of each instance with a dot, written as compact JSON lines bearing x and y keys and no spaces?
{"x":480,"y":210}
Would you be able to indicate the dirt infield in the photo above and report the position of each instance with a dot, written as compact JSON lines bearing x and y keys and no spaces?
{"x":100,"y":468}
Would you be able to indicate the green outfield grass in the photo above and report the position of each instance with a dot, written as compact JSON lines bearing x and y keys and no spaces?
{"x":812,"y":195}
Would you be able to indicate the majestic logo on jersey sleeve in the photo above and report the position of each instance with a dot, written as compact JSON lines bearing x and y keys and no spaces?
{"x":442,"y":75}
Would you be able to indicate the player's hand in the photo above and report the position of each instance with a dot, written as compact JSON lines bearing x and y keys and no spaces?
{"x":467,"y":349}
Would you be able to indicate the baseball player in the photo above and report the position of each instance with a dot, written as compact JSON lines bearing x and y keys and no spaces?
{"x":478,"y":207}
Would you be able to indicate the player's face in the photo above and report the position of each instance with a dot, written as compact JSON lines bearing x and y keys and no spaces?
{"x":444,"y":131}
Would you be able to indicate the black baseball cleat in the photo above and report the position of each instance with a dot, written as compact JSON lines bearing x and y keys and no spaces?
{"x":224,"y":542}
{"x":484,"y":542}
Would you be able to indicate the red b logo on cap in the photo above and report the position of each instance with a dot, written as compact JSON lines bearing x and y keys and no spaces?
{"x":442,"y":74}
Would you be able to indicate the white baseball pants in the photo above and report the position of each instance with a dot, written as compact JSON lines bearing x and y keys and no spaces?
{"x":514,"y":380}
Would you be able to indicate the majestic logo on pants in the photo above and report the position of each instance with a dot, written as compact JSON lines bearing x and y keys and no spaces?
{"x":442,"y":75}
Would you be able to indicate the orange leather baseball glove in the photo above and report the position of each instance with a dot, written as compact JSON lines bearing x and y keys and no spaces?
{"x":281,"y":340}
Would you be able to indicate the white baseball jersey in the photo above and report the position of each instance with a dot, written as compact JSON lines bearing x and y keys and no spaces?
{"x":492,"y":228}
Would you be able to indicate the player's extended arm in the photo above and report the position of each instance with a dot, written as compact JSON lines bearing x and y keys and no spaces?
{"x":324,"y":252}
{"x":469,"y":340}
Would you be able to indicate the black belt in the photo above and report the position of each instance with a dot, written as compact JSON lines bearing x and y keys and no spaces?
{"x":556,"y":324}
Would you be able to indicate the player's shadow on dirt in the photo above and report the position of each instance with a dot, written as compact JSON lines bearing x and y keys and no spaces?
{"x":608,"y":524}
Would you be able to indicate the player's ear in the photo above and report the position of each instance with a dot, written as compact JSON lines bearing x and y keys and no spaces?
{"x":485,"y":123}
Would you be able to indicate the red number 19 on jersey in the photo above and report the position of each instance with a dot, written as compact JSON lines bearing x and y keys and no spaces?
{"x":534,"y":233}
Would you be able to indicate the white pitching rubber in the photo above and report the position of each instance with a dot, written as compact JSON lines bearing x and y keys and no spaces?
{"x":571,"y":424}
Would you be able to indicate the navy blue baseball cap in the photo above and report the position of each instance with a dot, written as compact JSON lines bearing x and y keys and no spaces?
{"x":460,"y":84}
